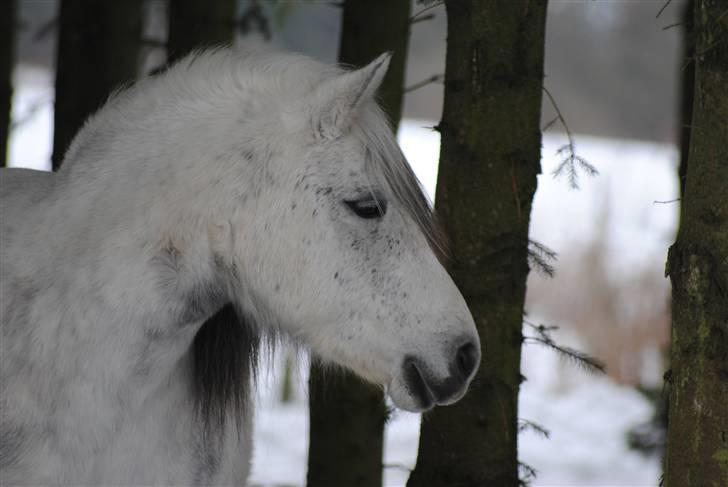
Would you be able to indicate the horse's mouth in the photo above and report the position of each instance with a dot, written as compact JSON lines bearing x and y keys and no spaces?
{"x":417,"y":386}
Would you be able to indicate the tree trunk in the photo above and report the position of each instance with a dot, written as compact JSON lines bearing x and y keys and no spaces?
{"x":7,"y":43}
{"x":194,"y":24}
{"x":697,"y":440}
{"x":370,"y":28}
{"x":98,"y":51}
{"x":489,"y":160}
{"x":347,"y":416}
{"x":687,"y":91}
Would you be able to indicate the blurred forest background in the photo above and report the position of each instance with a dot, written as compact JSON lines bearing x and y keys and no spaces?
{"x":611,"y":64}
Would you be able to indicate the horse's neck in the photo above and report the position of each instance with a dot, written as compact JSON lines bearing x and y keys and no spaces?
{"x":100,"y":318}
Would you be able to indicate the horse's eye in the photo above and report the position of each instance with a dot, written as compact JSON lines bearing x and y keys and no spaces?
{"x":368,"y":207}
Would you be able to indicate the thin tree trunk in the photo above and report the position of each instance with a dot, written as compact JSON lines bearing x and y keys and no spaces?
{"x":489,"y":160}
{"x":194,"y":24}
{"x":7,"y":44}
{"x":369,"y":28}
{"x":98,"y":51}
{"x":697,"y":438}
{"x":347,"y":416}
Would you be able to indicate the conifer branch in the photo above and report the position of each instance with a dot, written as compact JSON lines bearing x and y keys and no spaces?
{"x":577,"y":357}
{"x":435,"y":78}
{"x":526,"y":474}
{"x":541,"y":258}
{"x":571,"y":162}
{"x":526,"y":425}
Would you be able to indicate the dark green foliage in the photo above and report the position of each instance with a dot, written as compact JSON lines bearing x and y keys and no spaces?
{"x":489,"y":160}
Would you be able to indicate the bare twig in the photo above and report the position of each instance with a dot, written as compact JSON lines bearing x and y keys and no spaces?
{"x":30,"y":112}
{"x":422,"y":19}
{"x":670,"y":26}
{"x":429,"y":7}
{"x":46,"y":29}
{"x":550,"y":124}
{"x":665,"y":202}
{"x":663,"y":9}
{"x":435,"y":78}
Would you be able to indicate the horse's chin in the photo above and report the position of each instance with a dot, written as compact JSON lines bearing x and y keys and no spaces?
{"x":404,"y":399}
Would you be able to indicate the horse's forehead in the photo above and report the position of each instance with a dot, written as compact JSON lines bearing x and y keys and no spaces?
{"x":339,"y":160}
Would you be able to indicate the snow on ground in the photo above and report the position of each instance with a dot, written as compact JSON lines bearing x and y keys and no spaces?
{"x":586,"y":416}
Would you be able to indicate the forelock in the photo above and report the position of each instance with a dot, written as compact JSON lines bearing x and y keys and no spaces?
{"x":387,"y":165}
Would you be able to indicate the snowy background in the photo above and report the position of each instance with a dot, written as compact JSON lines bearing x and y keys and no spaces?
{"x":587,"y":416}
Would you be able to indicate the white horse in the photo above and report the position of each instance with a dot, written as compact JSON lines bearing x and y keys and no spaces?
{"x":265,"y":180}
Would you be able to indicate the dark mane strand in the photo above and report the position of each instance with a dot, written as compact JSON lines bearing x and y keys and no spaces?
{"x":225,"y":363}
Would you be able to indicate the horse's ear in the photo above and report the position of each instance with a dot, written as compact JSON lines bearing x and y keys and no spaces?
{"x":337,"y":100}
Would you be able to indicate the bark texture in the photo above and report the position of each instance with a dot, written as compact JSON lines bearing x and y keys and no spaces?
{"x":7,"y":44}
{"x":697,"y":441}
{"x":347,"y":416}
{"x":98,"y":51}
{"x":489,"y":161}
{"x":194,"y":24}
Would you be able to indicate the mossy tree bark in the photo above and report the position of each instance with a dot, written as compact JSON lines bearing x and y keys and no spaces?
{"x":7,"y":48}
{"x":697,"y":441}
{"x":98,"y":51}
{"x":489,"y":160}
{"x":347,"y":416}
{"x":194,"y":24}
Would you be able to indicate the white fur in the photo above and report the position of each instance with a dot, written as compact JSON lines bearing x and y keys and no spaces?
{"x":240,"y":159}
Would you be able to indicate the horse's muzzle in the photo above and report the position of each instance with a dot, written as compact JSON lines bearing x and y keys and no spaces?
{"x":429,"y":390}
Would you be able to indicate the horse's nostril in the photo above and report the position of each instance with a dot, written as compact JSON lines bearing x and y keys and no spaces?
{"x":467,"y":359}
